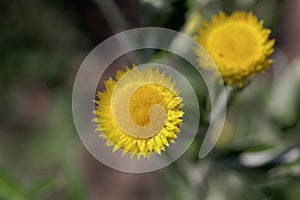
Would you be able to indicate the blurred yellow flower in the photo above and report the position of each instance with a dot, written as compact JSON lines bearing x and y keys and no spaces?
{"x":238,"y":44}
{"x":139,"y":112}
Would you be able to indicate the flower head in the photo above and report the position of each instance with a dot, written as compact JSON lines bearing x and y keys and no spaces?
{"x":238,"y":44}
{"x":139,"y":112}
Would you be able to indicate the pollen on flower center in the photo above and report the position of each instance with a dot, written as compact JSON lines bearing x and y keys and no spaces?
{"x":233,"y":43}
{"x":141,"y":102}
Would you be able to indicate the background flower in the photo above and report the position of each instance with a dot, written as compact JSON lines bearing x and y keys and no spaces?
{"x":238,"y":44}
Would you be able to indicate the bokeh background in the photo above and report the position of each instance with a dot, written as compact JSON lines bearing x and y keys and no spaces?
{"x":42,"y":44}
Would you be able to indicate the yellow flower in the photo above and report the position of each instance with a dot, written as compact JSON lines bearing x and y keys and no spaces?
{"x":139,"y":112}
{"x":238,"y":44}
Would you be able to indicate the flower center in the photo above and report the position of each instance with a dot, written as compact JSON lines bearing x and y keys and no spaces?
{"x":141,"y":102}
{"x":234,"y":43}
{"x":138,"y":108}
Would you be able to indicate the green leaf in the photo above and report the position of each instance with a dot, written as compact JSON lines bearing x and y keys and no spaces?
{"x":9,"y":189}
{"x":75,"y":183}
{"x":257,"y":148}
{"x":41,"y":187}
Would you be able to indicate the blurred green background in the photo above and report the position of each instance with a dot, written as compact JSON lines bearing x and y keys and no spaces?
{"x":42,"y":44}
